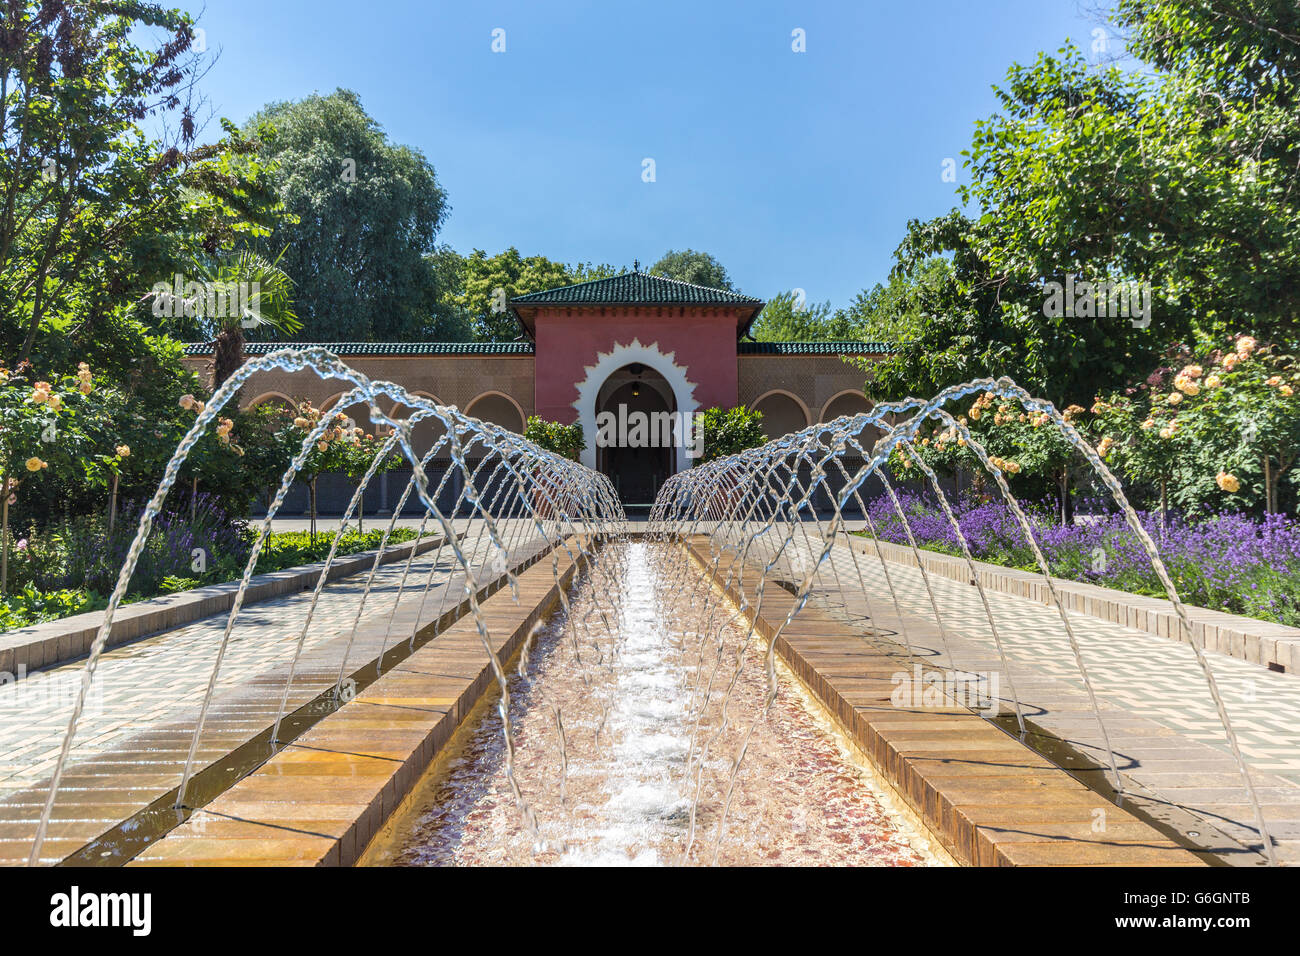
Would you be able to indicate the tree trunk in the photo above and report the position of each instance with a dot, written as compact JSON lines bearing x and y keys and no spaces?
{"x":1164,"y":505}
{"x":4,"y":534}
{"x":1269,"y":494}
{"x":311,"y":491}
{"x":112,"y":506}
{"x":194,"y":498}
{"x":227,"y":354}
{"x":361,"y":514}
{"x":1067,"y":506}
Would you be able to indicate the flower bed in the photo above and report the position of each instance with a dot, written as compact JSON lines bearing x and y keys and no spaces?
{"x":72,"y":567}
{"x":1231,"y":563}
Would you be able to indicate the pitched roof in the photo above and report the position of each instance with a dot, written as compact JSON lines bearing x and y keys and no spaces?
{"x":380,"y":348}
{"x":814,"y":348}
{"x":636,"y":288}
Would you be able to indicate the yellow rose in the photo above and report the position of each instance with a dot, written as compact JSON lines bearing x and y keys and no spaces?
{"x":1213,"y":381}
{"x":35,"y":464}
{"x":1245,"y":345}
{"x":1192,"y":371}
{"x":1230,"y":360}
{"x":1286,"y":390}
{"x":1175,"y":398}
{"x":1227,"y":482}
{"x":123,"y":451}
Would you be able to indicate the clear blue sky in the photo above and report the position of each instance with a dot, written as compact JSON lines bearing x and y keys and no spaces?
{"x":795,"y":170}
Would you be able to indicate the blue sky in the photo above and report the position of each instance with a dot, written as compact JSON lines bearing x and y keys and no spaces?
{"x":794,"y":169}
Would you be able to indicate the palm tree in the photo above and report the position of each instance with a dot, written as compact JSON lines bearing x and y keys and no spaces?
{"x":244,"y":291}
{"x":268,"y":303}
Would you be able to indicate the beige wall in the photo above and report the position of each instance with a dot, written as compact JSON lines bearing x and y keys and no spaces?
{"x":813,"y":379}
{"x":450,"y":379}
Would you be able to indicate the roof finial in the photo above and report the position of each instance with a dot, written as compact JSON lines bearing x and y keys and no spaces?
{"x":636,"y":265}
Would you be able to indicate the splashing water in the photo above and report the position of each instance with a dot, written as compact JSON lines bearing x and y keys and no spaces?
{"x":761,"y":507}
{"x":665,"y":743}
{"x":563,"y":506}
{"x":619,"y":791}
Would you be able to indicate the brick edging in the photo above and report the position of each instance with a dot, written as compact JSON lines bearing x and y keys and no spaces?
{"x":989,"y":799}
{"x":1235,"y":635}
{"x":363,"y":760}
{"x":57,"y":642}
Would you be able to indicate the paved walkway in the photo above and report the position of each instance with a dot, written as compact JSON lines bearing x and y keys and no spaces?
{"x":1169,"y":742}
{"x":145,"y":702}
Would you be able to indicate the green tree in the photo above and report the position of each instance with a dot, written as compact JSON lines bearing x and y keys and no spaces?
{"x":1183,"y":182}
{"x":786,"y":319}
{"x":362,"y":224}
{"x":243,"y":291}
{"x":976,"y":321}
{"x":564,"y":440}
{"x":698,"y":268}
{"x":893,"y":311}
{"x":92,"y":211}
{"x":488,"y":283}
{"x":730,"y":431}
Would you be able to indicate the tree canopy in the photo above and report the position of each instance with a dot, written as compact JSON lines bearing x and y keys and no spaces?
{"x":1182,"y":184}
{"x":360,"y":237}
{"x":487,"y":283}
{"x":92,"y":210}
{"x":688,"y":265}
{"x":786,"y":318}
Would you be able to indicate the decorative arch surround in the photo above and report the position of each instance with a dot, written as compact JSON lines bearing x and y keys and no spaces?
{"x":422,"y":393}
{"x":519,"y":410}
{"x":269,"y":396}
{"x":856,"y":393}
{"x":607,"y":363}
{"x":807,"y":415}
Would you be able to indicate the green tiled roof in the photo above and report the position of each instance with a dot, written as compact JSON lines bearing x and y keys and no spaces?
{"x":813,"y":348}
{"x":636,"y":288}
{"x":381,"y":348}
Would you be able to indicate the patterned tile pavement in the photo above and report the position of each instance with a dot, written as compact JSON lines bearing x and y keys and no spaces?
{"x":1170,"y":744}
{"x":162,"y":679}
